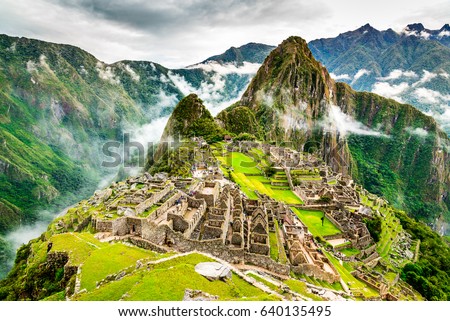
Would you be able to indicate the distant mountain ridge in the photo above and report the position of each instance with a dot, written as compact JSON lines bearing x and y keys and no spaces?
{"x":412,"y":66}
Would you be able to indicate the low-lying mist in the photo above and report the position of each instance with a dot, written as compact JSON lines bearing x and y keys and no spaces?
{"x":9,"y":243}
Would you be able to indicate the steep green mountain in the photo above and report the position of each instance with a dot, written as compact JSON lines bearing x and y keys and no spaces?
{"x":392,"y":149}
{"x":412,"y":66}
{"x":58,"y":105}
{"x":189,"y":119}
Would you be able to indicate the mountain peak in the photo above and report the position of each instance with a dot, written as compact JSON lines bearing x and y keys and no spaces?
{"x":251,"y":52}
{"x":415,"y":27}
{"x":366,"y":27}
{"x":445,"y":27}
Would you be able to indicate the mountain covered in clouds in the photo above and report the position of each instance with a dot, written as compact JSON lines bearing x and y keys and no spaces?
{"x":412,"y":66}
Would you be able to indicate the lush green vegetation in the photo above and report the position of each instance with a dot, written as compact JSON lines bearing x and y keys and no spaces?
{"x":430,"y":275}
{"x":313,"y":220}
{"x":374,"y":227}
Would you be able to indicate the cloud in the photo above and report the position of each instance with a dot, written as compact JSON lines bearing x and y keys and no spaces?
{"x":134,"y":76}
{"x":398,"y":73}
{"x":428,"y":96}
{"x":443,"y":33}
{"x":346,"y":125}
{"x":340,"y":77}
{"x":390,"y":91}
{"x":443,"y":118}
{"x":107,"y":73}
{"x":247,"y":68}
{"x":212,"y":92}
{"x":417,"y":131}
{"x":360,"y":73}
{"x":426,"y":77}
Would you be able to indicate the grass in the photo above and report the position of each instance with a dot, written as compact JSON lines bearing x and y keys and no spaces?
{"x":312,"y":219}
{"x":350,"y":251}
{"x":168,"y":280}
{"x":244,"y":165}
{"x":389,"y":231}
{"x":352,"y":282}
{"x":81,"y":245}
{"x":270,"y":285}
{"x":282,"y":257}
{"x":333,"y":286}
{"x":109,"y":260}
{"x":301,"y":288}
{"x":273,"y":246}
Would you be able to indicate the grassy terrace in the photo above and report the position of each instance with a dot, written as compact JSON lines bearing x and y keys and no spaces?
{"x":390,"y":228}
{"x":300,"y":287}
{"x":250,"y":178}
{"x":312,"y":219}
{"x":167,"y":281}
{"x":277,"y":252}
{"x":355,"y":285}
{"x":334,"y":286}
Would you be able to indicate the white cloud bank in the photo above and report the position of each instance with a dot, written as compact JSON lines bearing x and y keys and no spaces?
{"x":340,"y":77}
{"x":390,"y":91}
{"x":417,"y":131}
{"x":247,"y":68}
{"x":361,"y":73}
{"x":398,"y":73}
{"x":428,"y":96}
{"x":346,"y":125}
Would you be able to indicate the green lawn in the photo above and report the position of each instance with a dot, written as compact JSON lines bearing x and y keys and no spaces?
{"x":80,"y":244}
{"x":334,"y":286}
{"x":312,"y":219}
{"x":242,"y":163}
{"x":109,"y":260}
{"x":389,"y":231}
{"x":168,"y":280}
{"x":98,"y":259}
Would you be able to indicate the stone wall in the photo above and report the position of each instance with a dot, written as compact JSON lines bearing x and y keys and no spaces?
{"x":102,"y":226}
{"x":83,"y":224}
{"x":154,"y":198}
{"x":267,"y":263}
{"x":164,"y":207}
{"x":119,"y":226}
{"x":140,"y":242}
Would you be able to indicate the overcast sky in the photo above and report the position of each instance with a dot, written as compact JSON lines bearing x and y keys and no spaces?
{"x":178,"y":33}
